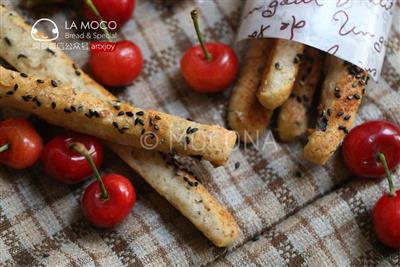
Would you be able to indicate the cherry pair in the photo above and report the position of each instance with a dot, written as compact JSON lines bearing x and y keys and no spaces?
{"x":372,"y":150}
{"x":70,"y":158}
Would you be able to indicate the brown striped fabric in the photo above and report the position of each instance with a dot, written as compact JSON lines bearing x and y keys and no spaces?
{"x":290,"y":212}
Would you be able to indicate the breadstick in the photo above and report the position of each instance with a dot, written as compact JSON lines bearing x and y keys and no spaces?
{"x":279,"y":76}
{"x":185,"y":193}
{"x":117,"y":122}
{"x":342,"y":91}
{"x":293,"y":117}
{"x":150,"y":164}
{"x":246,"y":115}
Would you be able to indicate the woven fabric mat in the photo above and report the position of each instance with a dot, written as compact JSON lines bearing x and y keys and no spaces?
{"x":290,"y":212}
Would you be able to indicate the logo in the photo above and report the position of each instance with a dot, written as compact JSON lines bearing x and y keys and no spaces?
{"x":36,"y":35}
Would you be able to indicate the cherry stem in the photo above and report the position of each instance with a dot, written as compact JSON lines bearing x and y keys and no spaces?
{"x":4,"y":147}
{"x":97,"y":13}
{"x":195,"y":15}
{"x":81,"y":149}
{"x":392,"y":189}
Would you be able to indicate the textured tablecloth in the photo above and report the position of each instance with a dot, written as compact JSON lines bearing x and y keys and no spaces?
{"x":290,"y":212}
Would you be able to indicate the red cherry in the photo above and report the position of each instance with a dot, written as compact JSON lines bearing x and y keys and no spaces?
{"x":362,"y":145}
{"x":108,"y":212}
{"x":20,"y":144}
{"x":208,"y":68}
{"x":118,"y":67}
{"x":111,"y":10}
{"x":386,"y":217}
{"x":66,"y":165}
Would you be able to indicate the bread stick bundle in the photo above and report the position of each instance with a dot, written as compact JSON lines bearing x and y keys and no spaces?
{"x":246,"y":115}
{"x":342,"y":90}
{"x":280,"y":74}
{"x":293,"y":116}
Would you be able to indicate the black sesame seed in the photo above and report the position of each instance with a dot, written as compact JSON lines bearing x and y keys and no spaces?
{"x":187,"y":139}
{"x":50,"y":51}
{"x":15,"y":87}
{"x":25,"y":98}
{"x":363,"y":91}
{"x":337,"y":94}
{"x":74,"y":66}
{"x":53,"y":105}
{"x":10,"y":93}
{"x":188,"y":130}
{"x":21,"y":56}
{"x":343,"y":128}
{"x":88,"y":115}
{"x":340,"y":113}
{"x":129,"y":114}
{"x":121,"y":113}
{"x":39,"y":81}
{"x":357,"y":96}
{"x":143,"y":131}
{"x":78,"y":73}
{"x":298,"y":98}
{"x":73,"y":108}
{"x":237,"y":165}
{"x":117,"y":107}
{"x":305,"y":98}
{"x":140,"y":113}
{"x":277,"y":66}
{"x":23,"y":75}
{"x":54,"y":83}
{"x":115,"y":124}
{"x":7,"y":41}
{"x":157,"y":117}
{"x":347,"y":117}
{"x":323,"y":123}
{"x":193,"y":130}
{"x":329,"y":111}
{"x":141,"y":122}
{"x":37,"y":102}
{"x":67,"y":110}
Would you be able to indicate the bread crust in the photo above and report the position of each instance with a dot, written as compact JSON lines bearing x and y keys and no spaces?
{"x":341,"y":96}
{"x":293,"y":115}
{"x":246,"y":115}
{"x":279,"y":76}
{"x":217,"y":223}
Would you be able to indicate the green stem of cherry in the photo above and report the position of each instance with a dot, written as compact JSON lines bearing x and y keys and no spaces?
{"x":392,"y":188}
{"x":81,"y":149}
{"x":195,"y":17}
{"x":4,"y":147}
{"x":97,"y":13}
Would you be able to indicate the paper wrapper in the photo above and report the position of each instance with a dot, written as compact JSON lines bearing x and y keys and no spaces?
{"x":353,"y":30}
